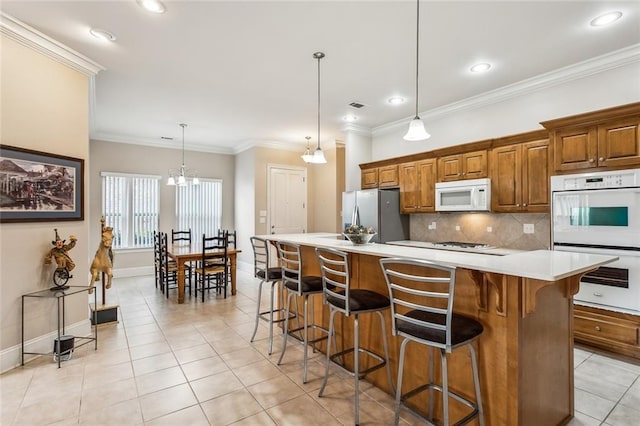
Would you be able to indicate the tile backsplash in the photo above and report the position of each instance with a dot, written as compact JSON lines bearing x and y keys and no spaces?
{"x":506,"y":230}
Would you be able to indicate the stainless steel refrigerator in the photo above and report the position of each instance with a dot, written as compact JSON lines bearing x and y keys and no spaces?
{"x":376,"y":208}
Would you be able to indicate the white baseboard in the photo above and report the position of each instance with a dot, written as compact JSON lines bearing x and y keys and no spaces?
{"x":10,"y":357}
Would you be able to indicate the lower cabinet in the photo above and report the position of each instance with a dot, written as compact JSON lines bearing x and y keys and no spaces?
{"x":611,"y":331}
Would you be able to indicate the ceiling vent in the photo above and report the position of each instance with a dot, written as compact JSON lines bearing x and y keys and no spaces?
{"x":166,"y":138}
{"x":356,"y":105}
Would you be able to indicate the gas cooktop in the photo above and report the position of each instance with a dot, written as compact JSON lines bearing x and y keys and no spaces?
{"x":460,"y":244}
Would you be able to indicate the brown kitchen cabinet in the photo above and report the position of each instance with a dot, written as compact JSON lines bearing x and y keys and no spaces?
{"x":379,"y":177}
{"x":614,"y":332}
{"x":369,"y":178}
{"x":468,"y":165}
{"x":607,"y":138}
{"x":388,"y":176}
{"x":520,"y":176}
{"x":417,"y":186}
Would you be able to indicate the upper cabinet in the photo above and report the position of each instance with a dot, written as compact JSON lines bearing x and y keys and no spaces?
{"x":388,"y":176}
{"x":417,"y":186}
{"x":369,"y":178}
{"x":606,"y":138}
{"x":520,"y":173}
{"x":469,"y":165}
{"x":379,"y":177}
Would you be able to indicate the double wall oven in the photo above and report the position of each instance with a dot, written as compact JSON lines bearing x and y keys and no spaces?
{"x":600,"y":213}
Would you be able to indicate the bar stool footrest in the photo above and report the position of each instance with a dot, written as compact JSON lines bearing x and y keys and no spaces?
{"x":311,"y":341}
{"x":264,"y":316}
{"x":365,"y":351}
{"x":466,"y":419}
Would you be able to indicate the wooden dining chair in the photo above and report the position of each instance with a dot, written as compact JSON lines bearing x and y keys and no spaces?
{"x":184,"y":237}
{"x":211,"y":270}
{"x":230,"y":235}
{"x":168,"y":267}
{"x":157,"y":260}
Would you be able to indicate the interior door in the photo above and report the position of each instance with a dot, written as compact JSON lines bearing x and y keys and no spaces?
{"x":287,"y":200}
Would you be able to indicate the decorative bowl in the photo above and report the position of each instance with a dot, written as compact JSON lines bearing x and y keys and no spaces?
{"x":359,"y":239}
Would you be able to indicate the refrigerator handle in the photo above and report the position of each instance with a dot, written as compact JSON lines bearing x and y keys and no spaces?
{"x":355,"y":217}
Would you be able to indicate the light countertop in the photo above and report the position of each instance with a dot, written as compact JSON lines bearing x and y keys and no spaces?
{"x":546,"y":265}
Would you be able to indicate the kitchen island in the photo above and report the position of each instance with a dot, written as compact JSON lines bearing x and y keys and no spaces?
{"x":524,"y":302}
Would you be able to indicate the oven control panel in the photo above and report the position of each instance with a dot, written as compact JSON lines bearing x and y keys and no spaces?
{"x":598,"y":180}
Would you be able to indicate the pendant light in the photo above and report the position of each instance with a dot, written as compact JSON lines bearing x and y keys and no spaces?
{"x":307,"y":157}
{"x":416,"y":130}
{"x":318,"y":155}
{"x":182,"y":175}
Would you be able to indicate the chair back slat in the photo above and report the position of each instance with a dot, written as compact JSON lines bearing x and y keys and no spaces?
{"x":291,"y":264}
{"x":177,"y":236}
{"x":421,"y":293}
{"x":260,"y":256}
{"x":230,"y":235}
{"x":334,"y":266}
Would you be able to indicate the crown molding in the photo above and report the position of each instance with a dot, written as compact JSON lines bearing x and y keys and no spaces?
{"x":618,"y":58}
{"x":283,"y":146}
{"x":354,"y":128}
{"x":156,"y":143}
{"x":30,"y":37}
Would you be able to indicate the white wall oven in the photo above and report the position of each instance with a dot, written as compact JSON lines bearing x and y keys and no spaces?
{"x":600,"y":213}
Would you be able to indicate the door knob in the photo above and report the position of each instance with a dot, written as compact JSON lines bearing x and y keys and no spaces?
{"x":597,"y":327}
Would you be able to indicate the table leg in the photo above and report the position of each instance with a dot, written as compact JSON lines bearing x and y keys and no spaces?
{"x":180,"y":281}
{"x":233,"y":274}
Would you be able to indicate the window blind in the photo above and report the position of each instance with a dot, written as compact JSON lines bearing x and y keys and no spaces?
{"x":199,"y":208}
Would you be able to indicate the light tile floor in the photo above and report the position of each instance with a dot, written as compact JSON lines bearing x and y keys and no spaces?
{"x":193,"y":364}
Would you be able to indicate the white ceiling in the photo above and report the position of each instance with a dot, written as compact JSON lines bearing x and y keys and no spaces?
{"x":242,"y":73}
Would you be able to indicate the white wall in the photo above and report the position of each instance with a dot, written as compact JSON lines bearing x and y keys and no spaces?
{"x":357,"y":145}
{"x":245,"y":204}
{"x":605,"y":89}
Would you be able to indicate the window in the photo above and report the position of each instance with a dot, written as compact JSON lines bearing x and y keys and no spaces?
{"x":199,"y":208}
{"x":130,"y":204}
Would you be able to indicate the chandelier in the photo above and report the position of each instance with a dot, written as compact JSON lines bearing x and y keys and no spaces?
{"x":183,"y":175}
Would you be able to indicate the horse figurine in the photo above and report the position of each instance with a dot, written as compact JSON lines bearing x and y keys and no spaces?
{"x":103,"y":260}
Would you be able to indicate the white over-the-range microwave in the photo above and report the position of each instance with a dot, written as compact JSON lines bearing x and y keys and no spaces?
{"x":473,"y":195}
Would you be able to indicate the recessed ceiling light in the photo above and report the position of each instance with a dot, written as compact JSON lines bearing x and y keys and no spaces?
{"x":154,"y":6}
{"x":349,"y":118}
{"x":102,"y":34}
{"x":481,"y":67}
{"x":396,"y":100}
{"x":606,"y":19}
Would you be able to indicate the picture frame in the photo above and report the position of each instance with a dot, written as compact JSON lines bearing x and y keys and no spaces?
{"x":38,"y":186}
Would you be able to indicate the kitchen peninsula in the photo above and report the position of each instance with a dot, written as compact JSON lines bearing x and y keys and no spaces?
{"x":524,"y":302}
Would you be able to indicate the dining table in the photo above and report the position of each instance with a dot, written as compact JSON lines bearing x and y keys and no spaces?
{"x":183,"y":253}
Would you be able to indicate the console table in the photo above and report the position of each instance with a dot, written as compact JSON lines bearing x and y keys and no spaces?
{"x":60,"y":295}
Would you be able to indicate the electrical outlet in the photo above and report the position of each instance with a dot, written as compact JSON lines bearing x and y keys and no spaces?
{"x":457,"y":227}
{"x":489,"y":229}
{"x":528,"y":228}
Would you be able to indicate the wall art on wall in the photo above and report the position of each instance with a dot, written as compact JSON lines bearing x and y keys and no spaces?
{"x":38,"y":186}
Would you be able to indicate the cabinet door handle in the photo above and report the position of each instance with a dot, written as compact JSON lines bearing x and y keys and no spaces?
{"x":518,"y":205}
{"x":597,"y":294}
{"x":601,"y":159}
{"x":525,"y":204}
{"x":591,"y":160}
{"x":597,"y":327}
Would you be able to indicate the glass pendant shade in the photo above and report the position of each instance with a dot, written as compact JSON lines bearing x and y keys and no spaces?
{"x":416,"y":131}
{"x":318,"y":157}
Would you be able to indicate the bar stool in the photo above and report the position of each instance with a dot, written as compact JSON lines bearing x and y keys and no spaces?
{"x":297,"y":284}
{"x":422,"y":295}
{"x":273,"y":276}
{"x":342,"y":298}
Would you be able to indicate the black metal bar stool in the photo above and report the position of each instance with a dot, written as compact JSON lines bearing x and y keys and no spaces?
{"x":422,"y":296}
{"x":342,"y":298}
{"x":273,"y":276}
{"x":297,"y":284}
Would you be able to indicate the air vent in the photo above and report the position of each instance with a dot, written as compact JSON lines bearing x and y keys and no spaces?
{"x":166,"y":138}
{"x":356,"y":105}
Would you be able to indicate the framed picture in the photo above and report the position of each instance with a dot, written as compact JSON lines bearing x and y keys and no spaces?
{"x":37,"y":186}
